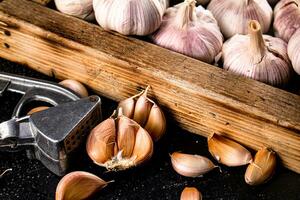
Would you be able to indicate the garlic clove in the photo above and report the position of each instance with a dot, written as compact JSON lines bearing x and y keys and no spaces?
{"x":286,"y":18}
{"x":228,"y":152}
{"x":142,"y":108}
{"x":79,"y":8}
{"x":294,"y":51}
{"x":75,"y":86}
{"x":78,"y":185}
{"x":130,"y":17}
{"x":143,"y":148}
{"x":262,"y":168}
{"x":260,"y":57}
{"x":100,"y":144}
{"x":233,"y":15}
{"x":37,"y":109}
{"x":191,"y":193}
{"x":156,"y":123}
{"x":126,"y":135}
{"x":191,"y":165}
{"x":127,"y":106}
{"x":190,"y":31}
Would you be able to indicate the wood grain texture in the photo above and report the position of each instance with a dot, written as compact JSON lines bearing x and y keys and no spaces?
{"x":201,"y":98}
{"x":42,"y":2}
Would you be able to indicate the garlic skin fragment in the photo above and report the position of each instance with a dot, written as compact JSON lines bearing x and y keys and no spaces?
{"x":190,"y":31}
{"x":119,"y":143}
{"x":191,"y":165}
{"x":145,"y":112}
{"x":130,"y":17}
{"x":286,"y":18}
{"x":228,"y":152}
{"x":78,"y":185}
{"x":294,"y":51}
{"x":75,"y":86}
{"x":233,"y":15}
{"x":260,"y":57}
{"x":262,"y":168}
{"x":78,"y":8}
{"x":190,"y":193}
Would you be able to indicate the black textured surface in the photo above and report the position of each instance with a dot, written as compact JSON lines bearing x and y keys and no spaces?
{"x":155,"y":180}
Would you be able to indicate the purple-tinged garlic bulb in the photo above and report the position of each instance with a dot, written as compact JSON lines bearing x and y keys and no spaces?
{"x":233,"y":15}
{"x":260,"y":57}
{"x":78,"y":8}
{"x":191,"y":31}
{"x":294,"y":51}
{"x":130,"y":17}
{"x":286,"y":18}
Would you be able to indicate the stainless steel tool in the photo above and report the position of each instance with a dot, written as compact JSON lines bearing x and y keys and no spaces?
{"x":52,"y":135}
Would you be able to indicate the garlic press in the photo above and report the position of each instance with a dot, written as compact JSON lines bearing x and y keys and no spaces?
{"x":53,"y":135}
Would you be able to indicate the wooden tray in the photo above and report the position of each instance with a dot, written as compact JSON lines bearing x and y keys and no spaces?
{"x":199,"y":97}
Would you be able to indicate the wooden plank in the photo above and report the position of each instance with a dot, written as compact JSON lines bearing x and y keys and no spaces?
{"x":42,"y":2}
{"x":199,"y":97}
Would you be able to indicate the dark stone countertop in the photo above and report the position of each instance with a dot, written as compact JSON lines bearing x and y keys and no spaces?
{"x":155,"y":180}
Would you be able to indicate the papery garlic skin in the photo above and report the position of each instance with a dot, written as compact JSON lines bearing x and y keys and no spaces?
{"x":260,"y":57}
{"x":286,"y":18}
{"x":233,"y":15}
{"x":294,"y":51}
{"x":190,"y":193}
{"x":130,"y":17}
{"x":79,"y":8}
{"x":78,"y":185}
{"x":190,"y":31}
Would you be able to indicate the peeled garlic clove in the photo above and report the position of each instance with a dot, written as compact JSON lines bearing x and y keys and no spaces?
{"x":233,"y":15}
{"x":228,"y":152}
{"x":191,"y":165}
{"x":262,"y":168}
{"x":294,"y":51}
{"x":190,"y":31}
{"x":37,"y":109}
{"x":143,"y":148}
{"x":100,"y":144}
{"x":75,"y":86}
{"x":126,"y":136}
{"x":127,"y":106}
{"x":260,"y":57}
{"x":156,"y":123}
{"x":79,"y":8}
{"x":78,"y":185}
{"x":130,"y":17}
{"x":142,"y":109}
{"x":286,"y":18}
{"x":190,"y":193}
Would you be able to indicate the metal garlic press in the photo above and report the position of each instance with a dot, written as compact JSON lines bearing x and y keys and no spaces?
{"x":53,"y":135}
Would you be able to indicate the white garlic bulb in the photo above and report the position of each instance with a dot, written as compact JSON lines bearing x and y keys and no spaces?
{"x":233,"y":15}
{"x":79,"y":8}
{"x":286,"y":18}
{"x":190,"y":31}
{"x":130,"y":17}
{"x":260,"y":57}
{"x":294,"y":51}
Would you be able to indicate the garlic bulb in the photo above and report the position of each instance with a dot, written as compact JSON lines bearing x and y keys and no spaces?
{"x":145,"y":112}
{"x":75,"y":86}
{"x":233,"y":15}
{"x":190,"y":31}
{"x":262,"y":168}
{"x":260,"y":57}
{"x":130,"y":17}
{"x":79,"y":8}
{"x":78,"y":185}
{"x":190,"y":193}
{"x":119,"y":143}
{"x":228,"y":152}
{"x":294,"y":51}
{"x":191,"y":165}
{"x":286,"y":18}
